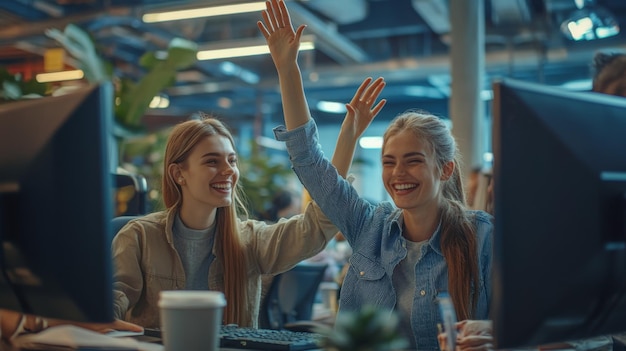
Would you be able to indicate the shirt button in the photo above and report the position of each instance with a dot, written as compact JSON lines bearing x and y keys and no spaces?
{"x":422,"y":292}
{"x":361,"y":273}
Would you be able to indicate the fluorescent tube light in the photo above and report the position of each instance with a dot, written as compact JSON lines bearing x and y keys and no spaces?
{"x":331,"y":107}
{"x":244,"y":51}
{"x":203,"y":12}
{"x":159,"y":101}
{"x":375,"y":142}
{"x":59,"y":76}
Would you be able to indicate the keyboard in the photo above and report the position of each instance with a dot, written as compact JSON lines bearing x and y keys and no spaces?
{"x":235,"y":337}
{"x":267,"y":339}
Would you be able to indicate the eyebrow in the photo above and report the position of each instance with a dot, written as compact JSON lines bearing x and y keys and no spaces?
{"x":217,"y":154}
{"x":408,"y":154}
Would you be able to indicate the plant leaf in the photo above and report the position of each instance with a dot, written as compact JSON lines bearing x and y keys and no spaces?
{"x":80,"y":46}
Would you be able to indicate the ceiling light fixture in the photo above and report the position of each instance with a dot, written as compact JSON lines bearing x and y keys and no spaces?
{"x":590,"y":22}
{"x":160,"y":101}
{"x":331,"y":106}
{"x":203,"y":12}
{"x":374,"y":142}
{"x":242,"y":51}
{"x":59,"y":76}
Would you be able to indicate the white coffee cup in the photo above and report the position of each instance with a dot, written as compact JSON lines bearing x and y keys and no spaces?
{"x":191,"y":319}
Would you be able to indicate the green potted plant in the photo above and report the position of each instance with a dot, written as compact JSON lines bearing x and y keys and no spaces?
{"x":131,"y":98}
{"x":369,"y":329}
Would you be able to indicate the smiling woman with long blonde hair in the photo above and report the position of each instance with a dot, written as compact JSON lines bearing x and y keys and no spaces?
{"x":199,"y":241}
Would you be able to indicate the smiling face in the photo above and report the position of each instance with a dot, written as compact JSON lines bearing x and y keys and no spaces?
{"x":209,"y":174}
{"x":410,"y":172}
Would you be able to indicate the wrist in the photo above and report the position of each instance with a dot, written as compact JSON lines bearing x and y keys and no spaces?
{"x":29,"y":324}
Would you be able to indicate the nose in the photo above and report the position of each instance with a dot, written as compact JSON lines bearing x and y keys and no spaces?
{"x":228,"y":169}
{"x":399,"y":169}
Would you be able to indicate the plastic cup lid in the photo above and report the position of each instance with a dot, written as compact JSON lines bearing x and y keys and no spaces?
{"x":191,"y":298}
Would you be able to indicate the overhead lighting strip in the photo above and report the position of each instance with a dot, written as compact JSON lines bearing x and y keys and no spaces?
{"x":59,"y":76}
{"x":203,"y":12}
{"x":244,"y":51}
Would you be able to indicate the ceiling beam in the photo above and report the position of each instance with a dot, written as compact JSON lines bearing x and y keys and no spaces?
{"x":328,"y":39}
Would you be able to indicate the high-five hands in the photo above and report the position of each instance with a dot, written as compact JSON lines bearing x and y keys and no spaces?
{"x":278,"y":31}
{"x":361,"y":110}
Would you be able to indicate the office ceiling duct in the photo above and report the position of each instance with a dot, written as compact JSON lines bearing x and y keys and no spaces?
{"x":435,"y":13}
{"x":510,"y":12}
{"x":340,"y":11}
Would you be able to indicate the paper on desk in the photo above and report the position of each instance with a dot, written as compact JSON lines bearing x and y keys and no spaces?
{"x":75,"y":337}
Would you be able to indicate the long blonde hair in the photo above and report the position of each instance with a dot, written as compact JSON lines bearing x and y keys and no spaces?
{"x":458,"y":234}
{"x":180,"y":143}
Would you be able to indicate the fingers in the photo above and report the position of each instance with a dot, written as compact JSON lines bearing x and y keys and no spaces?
{"x":475,"y":343}
{"x":368,"y":93}
{"x":373,"y":91}
{"x":276,"y":17}
{"x":378,"y":107}
{"x":359,"y":91}
{"x":284,"y":14}
{"x":271,"y":8}
{"x":262,"y":28}
{"x":299,"y":32}
{"x":123,"y":325}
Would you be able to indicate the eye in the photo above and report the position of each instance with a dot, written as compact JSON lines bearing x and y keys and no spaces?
{"x":211,"y":161}
{"x":233,"y":161}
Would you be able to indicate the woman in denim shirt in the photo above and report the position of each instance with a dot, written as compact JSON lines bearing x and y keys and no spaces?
{"x":404,"y":255}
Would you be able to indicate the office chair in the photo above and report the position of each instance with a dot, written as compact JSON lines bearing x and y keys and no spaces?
{"x":118,"y":222}
{"x":130,"y":194}
{"x":290,"y":298}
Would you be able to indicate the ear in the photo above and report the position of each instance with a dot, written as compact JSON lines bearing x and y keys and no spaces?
{"x":175,"y":173}
{"x":448,"y":170}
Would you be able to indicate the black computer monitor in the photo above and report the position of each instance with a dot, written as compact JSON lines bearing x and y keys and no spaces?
{"x":560,"y":229}
{"x":56,"y":205}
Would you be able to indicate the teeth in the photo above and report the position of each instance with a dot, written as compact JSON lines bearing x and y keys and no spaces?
{"x":404,"y":186}
{"x":222,"y":186}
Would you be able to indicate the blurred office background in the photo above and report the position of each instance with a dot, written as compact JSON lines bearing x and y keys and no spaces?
{"x":408,"y":42}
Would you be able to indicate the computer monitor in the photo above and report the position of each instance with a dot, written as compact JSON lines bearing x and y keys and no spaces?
{"x":560,"y":214}
{"x":56,"y":205}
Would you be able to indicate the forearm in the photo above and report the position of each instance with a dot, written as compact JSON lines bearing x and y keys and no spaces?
{"x":9,"y":323}
{"x":344,"y":152}
{"x":14,"y":323}
{"x":295,"y":106}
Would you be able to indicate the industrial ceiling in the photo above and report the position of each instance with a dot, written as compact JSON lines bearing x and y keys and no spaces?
{"x":405,"y":41}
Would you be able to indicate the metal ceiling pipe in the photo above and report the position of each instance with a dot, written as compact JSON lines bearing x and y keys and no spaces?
{"x":342,"y":11}
{"x":510,"y":12}
{"x":328,"y":38}
{"x":435,"y":13}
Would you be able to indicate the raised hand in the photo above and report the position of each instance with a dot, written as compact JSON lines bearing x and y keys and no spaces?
{"x":278,"y":31}
{"x":361,"y":109}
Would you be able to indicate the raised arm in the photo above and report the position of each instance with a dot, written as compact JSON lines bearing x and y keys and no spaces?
{"x":284,"y":44}
{"x":358,"y":117}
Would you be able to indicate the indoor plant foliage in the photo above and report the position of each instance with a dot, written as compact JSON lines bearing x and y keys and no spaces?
{"x":13,"y":87}
{"x":261,"y":179}
{"x":368,"y":329}
{"x":132,"y":99}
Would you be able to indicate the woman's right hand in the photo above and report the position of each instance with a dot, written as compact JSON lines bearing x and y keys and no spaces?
{"x":361,"y":110}
{"x":278,"y":31}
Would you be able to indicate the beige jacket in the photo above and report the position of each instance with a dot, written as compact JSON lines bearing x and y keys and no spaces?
{"x":146,"y":261}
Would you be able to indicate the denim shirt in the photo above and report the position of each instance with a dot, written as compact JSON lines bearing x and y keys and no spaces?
{"x":375,"y":234}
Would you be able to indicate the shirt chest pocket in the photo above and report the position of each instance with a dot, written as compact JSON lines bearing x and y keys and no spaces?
{"x":365,"y":269}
